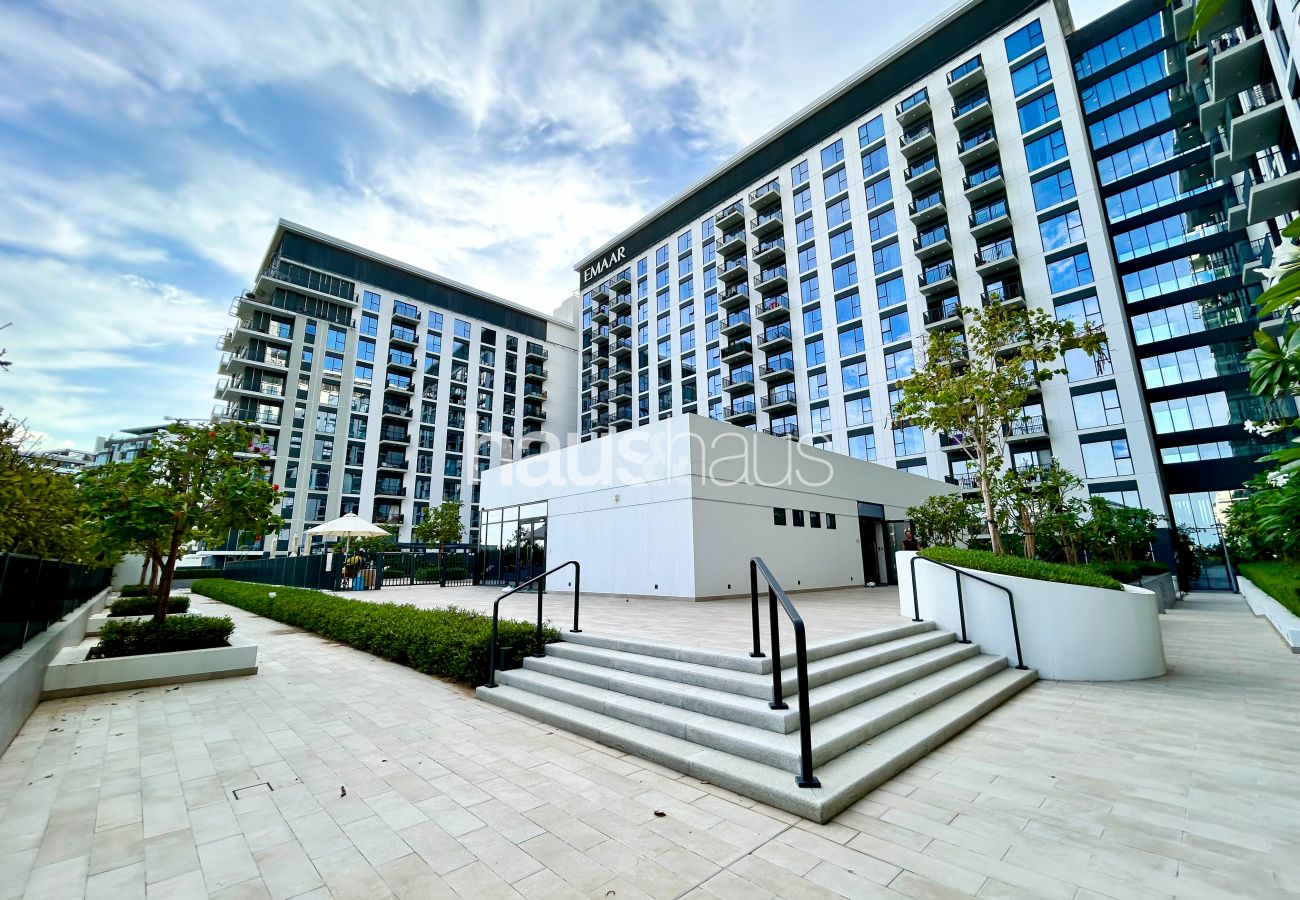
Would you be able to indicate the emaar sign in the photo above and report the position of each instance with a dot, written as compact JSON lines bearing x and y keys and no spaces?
{"x":594,"y":271}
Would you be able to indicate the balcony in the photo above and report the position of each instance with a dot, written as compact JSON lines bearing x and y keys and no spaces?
{"x":406,"y":336}
{"x":974,"y":147}
{"x":921,"y":175}
{"x":388,"y":518}
{"x":393,"y":411}
{"x":781,"y":401}
{"x":917,"y":140}
{"x":1027,"y":429}
{"x":599,"y":315}
{"x":600,"y":377}
{"x":773,"y":309}
{"x":256,"y":417}
{"x":621,"y":305}
{"x":988,"y":219}
{"x":621,"y":283}
{"x":742,"y":412}
{"x":732,"y":215}
{"x":967,"y":76}
{"x":775,"y":339}
{"x":766,"y":195}
{"x":733,"y":270}
{"x":392,"y":463}
{"x":394,"y":436}
{"x":940,"y":279}
{"x":533,"y":414}
{"x":401,"y":363}
{"x":770,"y":251}
{"x":1273,"y":192}
{"x":600,"y":424}
{"x":730,"y":244}
{"x":1008,"y":294}
{"x":943,"y":316}
{"x":1235,"y":63}
{"x":788,"y":430}
{"x":913,"y":108}
{"x":777,"y":370}
{"x":404,"y":312}
{"x":738,"y":352}
{"x":971,"y":111}
{"x":397,"y":387}
{"x":995,"y":258}
{"x":767,"y":223}
{"x":600,"y":336}
{"x":934,"y":243}
{"x":246,"y":356}
{"x":622,"y":416}
{"x":535,"y":353}
{"x":622,"y":326}
{"x":735,"y":296}
{"x":927,"y":208}
{"x":389,"y":489}
{"x":621,"y":348}
{"x":739,"y":382}
{"x":532,"y":370}
{"x":769,"y":280}
{"x":984,"y":182}
{"x":533,"y":392}
{"x":737,"y":324}
{"x":1255,"y":120}
{"x":600,"y":294}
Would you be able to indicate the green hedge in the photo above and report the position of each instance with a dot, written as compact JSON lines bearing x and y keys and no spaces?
{"x":449,"y":642}
{"x":984,"y":561}
{"x":197,"y":572}
{"x":134,"y":590}
{"x":144,"y":606}
{"x":1280,"y":580}
{"x":1130,"y":571}
{"x":180,"y":633}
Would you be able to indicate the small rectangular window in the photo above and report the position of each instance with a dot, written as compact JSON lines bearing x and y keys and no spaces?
{"x":830,"y":521}
{"x":815,"y":519}
{"x":798,"y":517}
{"x":778,"y":515}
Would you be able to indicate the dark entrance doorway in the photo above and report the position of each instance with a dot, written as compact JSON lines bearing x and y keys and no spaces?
{"x":871,"y":522}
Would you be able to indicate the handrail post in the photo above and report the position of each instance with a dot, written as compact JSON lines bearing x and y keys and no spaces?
{"x":916,"y":600}
{"x":778,"y":691}
{"x":805,"y":779}
{"x":577,"y":594}
{"x":540,"y":649}
{"x":492,"y":652}
{"x":1015,"y":633}
{"x":539,"y":580}
{"x":753,"y":607}
{"x":961,"y":611}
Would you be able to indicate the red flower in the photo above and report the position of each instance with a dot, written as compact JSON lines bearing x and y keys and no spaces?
{"x":212,"y":434}
{"x":275,"y":487}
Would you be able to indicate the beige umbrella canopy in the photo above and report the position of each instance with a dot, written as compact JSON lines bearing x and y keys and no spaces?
{"x":348,"y":526}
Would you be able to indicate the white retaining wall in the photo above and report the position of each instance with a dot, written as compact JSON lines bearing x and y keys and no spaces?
{"x":1286,"y":622}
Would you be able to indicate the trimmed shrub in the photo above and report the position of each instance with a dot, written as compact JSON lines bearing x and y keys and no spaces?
{"x":144,"y":606}
{"x":134,"y":590}
{"x":983,"y":561}
{"x":1130,"y":571}
{"x":1277,"y":578}
{"x":197,"y":572}
{"x":450,"y":642}
{"x":181,"y":633}
{"x":426,"y":573}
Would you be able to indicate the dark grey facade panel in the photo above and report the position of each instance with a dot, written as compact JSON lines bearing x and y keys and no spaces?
{"x":318,"y":255}
{"x":975,"y":24}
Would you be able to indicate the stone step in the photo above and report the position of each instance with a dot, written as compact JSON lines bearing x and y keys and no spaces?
{"x":845,"y":779}
{"x":743,"y":662}
{"x":751,"y":684}
{"x":831,"y":736}
{"x":824,"y":701}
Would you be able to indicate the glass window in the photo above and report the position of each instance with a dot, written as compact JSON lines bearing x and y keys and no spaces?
{"x":894,"y":328}
{"x":852,"y":341}
{"x":778,"y":516}
{"x":810,"y":288}
{"x":835,"y":182}
{"x":1123,"y":83}
{"x":812,"y":320}
{"x":899,"y":364}
{"x":1024,"y":40}
{"x":838,"y":213}
{"x":683,"y":242}
{"x":817,"y":386}
{"x":802,"y":200}
{"x":1039,"y":111}
{"x":875,"y":162}
{"x":886,"y":258}
{"x":845,"y":274}
{"x":848,"y":307}
{"x":807,"y":259}
{"x":1121,"y":46}
{"x":1027,"y":76}
{"x":1142,"y":114}
{"x":853,"y":376}
{"x":1046,"y":149}
{"x":890,"y":292}
{"x":1106,"y":459}
{"x":841,"y":243}
{"x":832,"y":154}
{"x":815,"y":352}
{"x":821,"y":419}
{"x":1050,"y":190}
{"x":799,"y":173}
{"x":1097,"y":409}
{"x":882,"y":225}
{"x":871,"y":131}
{"x":803,"y":229}
{"x":1061,"y":231}
{"x":879,"y":191}
{"x":1071,"y":272}
{"x":909,"y":441}
{"x":861,"y":446}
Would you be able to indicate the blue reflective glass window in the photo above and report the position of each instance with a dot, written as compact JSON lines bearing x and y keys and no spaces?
{"x":1046,"y":149}
{"x":1052,"y":189}
{"x":841,"y":243}
{"x":832,"y":154}
{"x":1026,"y":77}
{"x":1024,"y":40}
{"x":799,"y":173}
{"x":1039,"y":111}
{"x":871,"y":131}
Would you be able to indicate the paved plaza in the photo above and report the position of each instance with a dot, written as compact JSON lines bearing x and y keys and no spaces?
{"x":333,"y":774}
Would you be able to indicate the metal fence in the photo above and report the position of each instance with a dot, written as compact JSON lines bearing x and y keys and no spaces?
{"x":290,"y":571}
{"x":456,"y":565}
{"x":35,"y":593}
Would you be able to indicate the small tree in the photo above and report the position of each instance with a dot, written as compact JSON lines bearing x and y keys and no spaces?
{"x":1117,"y":531}
{"x":196,"y":482}
{"x":974,"y":388}
{"x":43,"y":514}
{"x":441,"y":526}
{"x":945,"y":519}
{"x":1038,"y":503}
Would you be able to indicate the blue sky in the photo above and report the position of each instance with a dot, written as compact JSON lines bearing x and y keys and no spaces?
{"x":147,"y":148}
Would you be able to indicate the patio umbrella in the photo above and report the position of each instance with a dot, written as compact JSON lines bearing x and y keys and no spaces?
{"x":347,"y":527}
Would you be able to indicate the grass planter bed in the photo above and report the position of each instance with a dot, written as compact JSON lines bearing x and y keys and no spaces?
{"x":452,"y":643}
{"x":1087,"y":628}
{"x":1272,"y":589}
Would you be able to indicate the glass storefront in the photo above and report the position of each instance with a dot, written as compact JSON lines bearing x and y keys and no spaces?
{"x":512,"y":543}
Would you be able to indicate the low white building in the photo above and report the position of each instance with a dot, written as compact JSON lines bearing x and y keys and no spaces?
{"x":677,"y":509}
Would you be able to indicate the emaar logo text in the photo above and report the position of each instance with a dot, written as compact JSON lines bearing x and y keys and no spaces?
{"x":614,"y":258}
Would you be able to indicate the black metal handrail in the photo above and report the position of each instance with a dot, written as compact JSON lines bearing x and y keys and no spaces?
{"x":539,"y":580}
{"x":805,"y":778}
{"x":961,"y":605}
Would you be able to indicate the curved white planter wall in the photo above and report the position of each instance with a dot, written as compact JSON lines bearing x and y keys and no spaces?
{"x":1067,"y":632}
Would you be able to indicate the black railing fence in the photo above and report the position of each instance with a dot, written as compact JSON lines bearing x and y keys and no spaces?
{"x":290,"y":571}
{"x":35,"y":593}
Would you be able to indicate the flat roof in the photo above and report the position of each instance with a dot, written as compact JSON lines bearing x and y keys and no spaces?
{"x":448,"y":286}
{"x":950,"y":34}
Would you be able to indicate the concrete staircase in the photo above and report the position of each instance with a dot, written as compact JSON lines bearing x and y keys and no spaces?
{"x":879,"y":701}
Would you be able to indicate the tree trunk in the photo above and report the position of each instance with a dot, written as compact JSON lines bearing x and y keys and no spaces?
{"x":995,"y":537}
{"x":165,"y":582}
{"x":144,"y":569}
